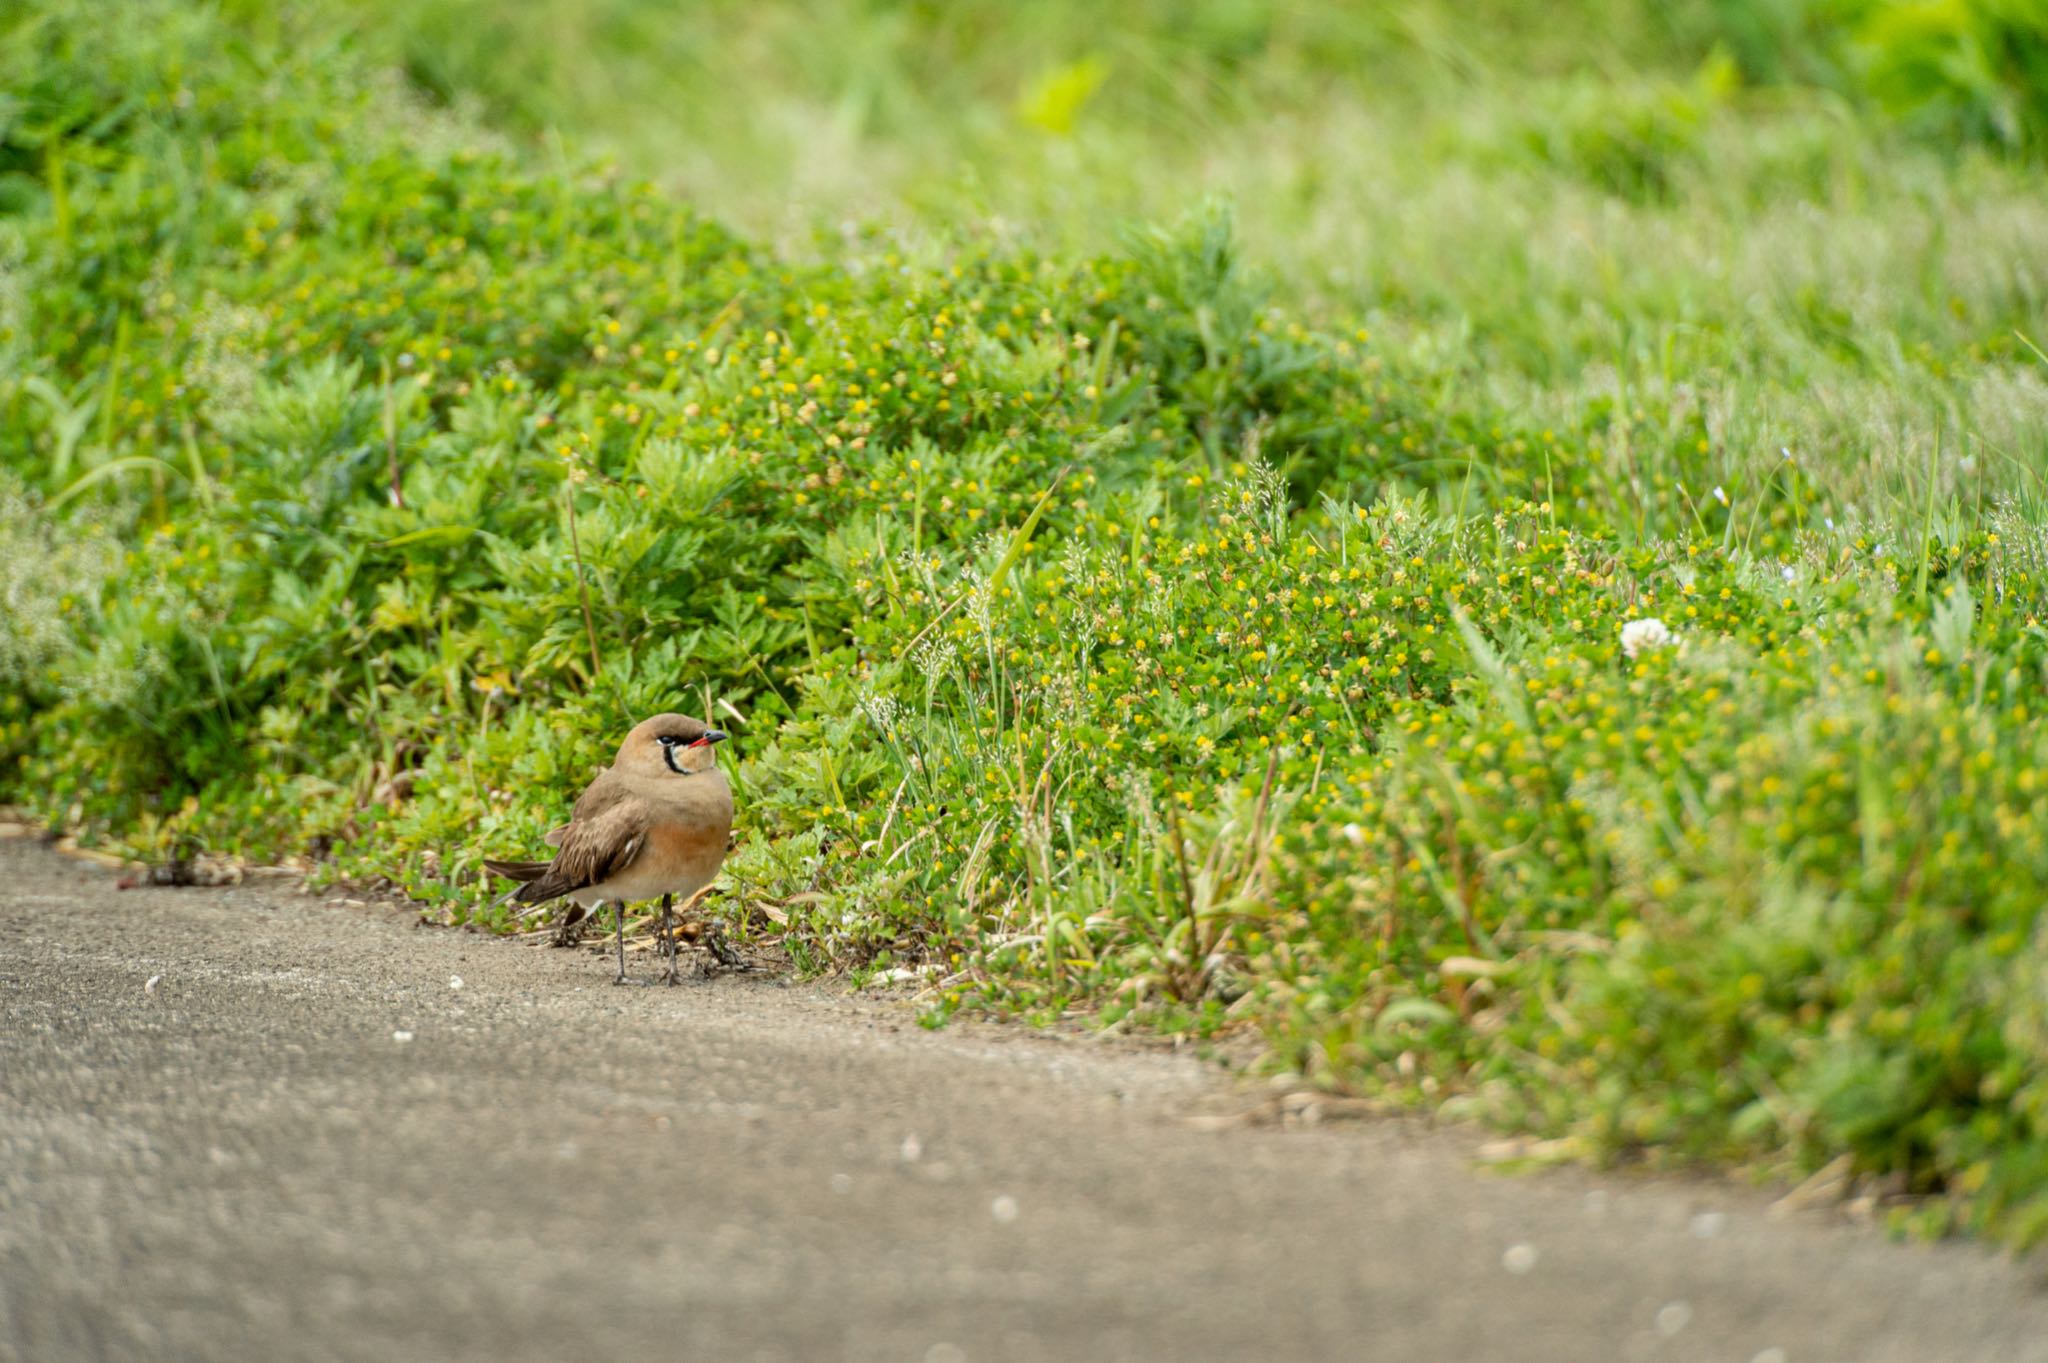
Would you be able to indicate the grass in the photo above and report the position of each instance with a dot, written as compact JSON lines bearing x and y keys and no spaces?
{"x":1159,"y":509}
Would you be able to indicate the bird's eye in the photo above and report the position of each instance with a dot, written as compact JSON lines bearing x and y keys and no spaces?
{"x":667,"y":740}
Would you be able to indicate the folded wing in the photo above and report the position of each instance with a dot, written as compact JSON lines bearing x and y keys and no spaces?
{"x":592,"y":851}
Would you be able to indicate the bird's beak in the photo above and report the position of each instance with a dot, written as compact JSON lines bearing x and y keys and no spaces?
{"x":708,"y":737}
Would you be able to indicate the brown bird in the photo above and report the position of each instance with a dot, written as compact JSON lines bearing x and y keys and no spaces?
{"x":654,"y":823}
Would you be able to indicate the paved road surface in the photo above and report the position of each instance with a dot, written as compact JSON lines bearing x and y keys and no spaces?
{"x":248,"y":1162}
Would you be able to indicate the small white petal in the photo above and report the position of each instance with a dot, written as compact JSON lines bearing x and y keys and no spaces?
{"x":1638,"y":635}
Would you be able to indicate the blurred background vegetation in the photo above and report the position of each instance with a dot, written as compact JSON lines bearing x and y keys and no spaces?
{"x":1819,"y":213}
{"x":1806,"y":212}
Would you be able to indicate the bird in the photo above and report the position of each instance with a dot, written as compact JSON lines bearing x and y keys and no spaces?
{"x":654,"y":823}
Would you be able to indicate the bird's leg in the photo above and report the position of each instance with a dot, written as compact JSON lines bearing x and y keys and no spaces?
{"x":619,"y":917}
{"x":668,"y":937}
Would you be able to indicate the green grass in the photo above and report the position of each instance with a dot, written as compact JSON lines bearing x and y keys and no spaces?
{"x":1158,"y":505}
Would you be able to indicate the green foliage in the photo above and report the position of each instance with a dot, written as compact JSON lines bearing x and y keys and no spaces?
{"x":1107,"y":619}
{"x":1629,"y":141}
{"x":1971,"y":68}
{"x":1968,"y":70}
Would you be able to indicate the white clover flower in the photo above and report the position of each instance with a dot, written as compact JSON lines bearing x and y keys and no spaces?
{"x":1638,"y":635}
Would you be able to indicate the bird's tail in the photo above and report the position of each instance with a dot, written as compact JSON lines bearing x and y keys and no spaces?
{"x":521,"y":871}
{"x":532,"y":877}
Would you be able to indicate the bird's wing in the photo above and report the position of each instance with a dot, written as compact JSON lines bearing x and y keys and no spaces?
{"x":606,"y":790}
{"x":593,"y":851}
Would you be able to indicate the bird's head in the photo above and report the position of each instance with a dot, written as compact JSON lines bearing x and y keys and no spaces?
{"x":668,"y":745}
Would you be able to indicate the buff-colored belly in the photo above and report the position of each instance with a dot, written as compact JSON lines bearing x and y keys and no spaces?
{"x":675,"y":861}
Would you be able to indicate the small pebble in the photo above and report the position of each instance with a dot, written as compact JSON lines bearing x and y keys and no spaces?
{"x":1519,"y":1259}
{"x":912,"y":1148}
{"x":1003,"y":1209}
{"x":150,"y":988}
{"x":842,"y":1184}
{"x":1672,"y":1317}
{"x":401,"y":1037}
{"x":1707,"y":1225}
{"x":455,"y":981}
{"x":1768,"y":1356}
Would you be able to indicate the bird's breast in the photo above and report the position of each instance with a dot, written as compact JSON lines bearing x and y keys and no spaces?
{"x":689,"y":850}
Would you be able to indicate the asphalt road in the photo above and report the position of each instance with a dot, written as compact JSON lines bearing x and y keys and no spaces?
{"x":305,"y":1141}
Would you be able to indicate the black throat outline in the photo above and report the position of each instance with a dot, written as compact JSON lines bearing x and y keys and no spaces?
{"x":668,"y":755}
